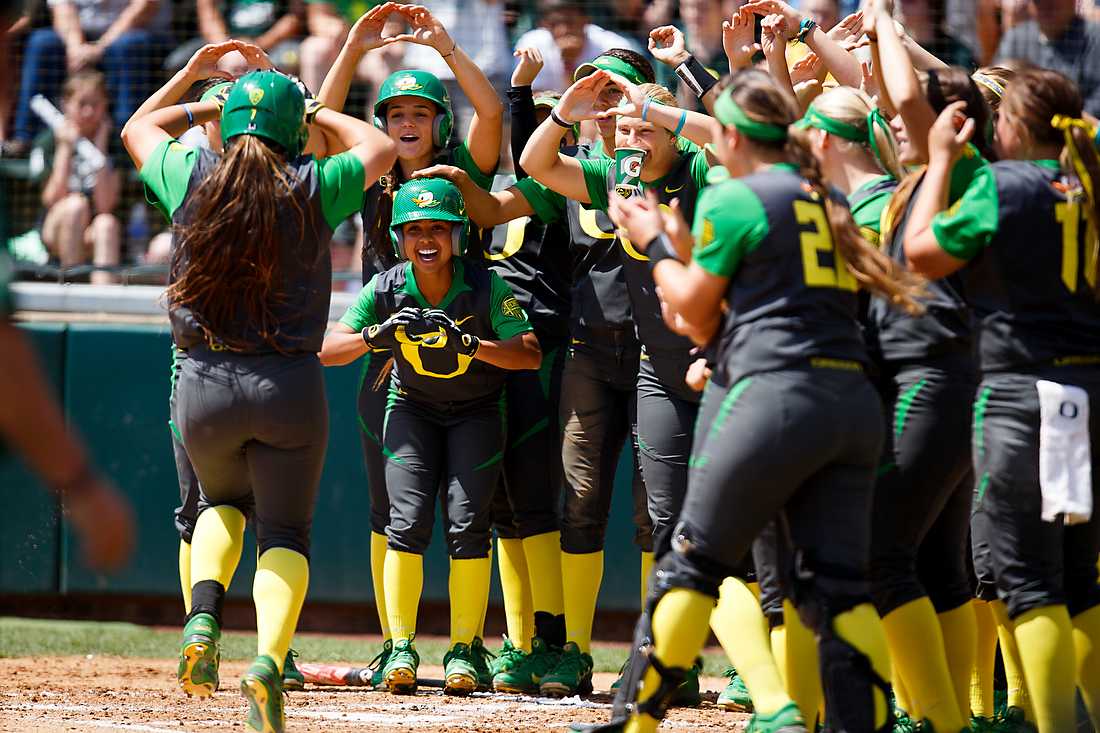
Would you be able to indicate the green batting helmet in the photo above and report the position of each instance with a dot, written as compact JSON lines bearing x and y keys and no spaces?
{"x":429,"y":199}
{"x":270,"y":105}
{"x":417,"y":84}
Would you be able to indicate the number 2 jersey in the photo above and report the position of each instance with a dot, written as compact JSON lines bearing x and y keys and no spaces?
{"x":791,"y":299}
{"x":479,"y":301}
{"x":1023,"y":228}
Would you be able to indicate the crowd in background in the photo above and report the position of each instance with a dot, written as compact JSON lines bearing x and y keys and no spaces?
{"x":96,"y":60}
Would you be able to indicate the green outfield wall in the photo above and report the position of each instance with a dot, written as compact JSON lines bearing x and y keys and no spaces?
{"x":113,"y":380}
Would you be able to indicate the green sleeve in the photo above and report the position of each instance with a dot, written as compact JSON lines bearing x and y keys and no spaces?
{"x":964,"y":171}
{"x":166,"y":174}
{"x":730,"y":222}
{"x":341,"y":186}
{"x":700,"y":166}
{"x":595,"y":179}
{"x":549,"y":205}
{"x":465,"y":161}
{"x":969,"y":225}
{"x":508,"y":317}
{"x":361,"y":313}
{"x":868,"y":215}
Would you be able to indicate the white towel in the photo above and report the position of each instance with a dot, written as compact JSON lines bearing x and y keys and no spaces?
{"x":1065,"y":462}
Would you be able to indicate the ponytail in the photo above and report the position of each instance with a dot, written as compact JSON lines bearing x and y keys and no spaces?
{"x":1080,"y":156}
{"x":229,"y":259}
{"x":874,"y":270}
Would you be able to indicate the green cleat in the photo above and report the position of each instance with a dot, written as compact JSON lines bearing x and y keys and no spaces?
{"x":292,"y":678}
{"x":572,"y":675}
{"x":262,"y":686}
{"x":526,"y":678}
{"x":510,"y":657}
{"x":785,"y":720}
{"x":904,"y":724}
{"x":399,"y":674}
{"x":459,"y":670}
{"x":979,"y":724}
{"x":483,"y":663}
{"x":1013,"y":720}
{"x":735,"y":697}
{"x":199,"y":656}
{"x":687,"y":694}
{"x":377,"y":679}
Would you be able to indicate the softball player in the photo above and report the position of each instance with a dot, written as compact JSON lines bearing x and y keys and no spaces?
{"x":780,"y":251}
{"x":927,"y":377}
{"x":250,"y":398}
{"x":453,"y":326}
{"x":1039,"y":355}
{"x":414,"y":109}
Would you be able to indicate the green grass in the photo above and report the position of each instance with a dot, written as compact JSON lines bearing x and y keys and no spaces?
{"x":20,"y":637}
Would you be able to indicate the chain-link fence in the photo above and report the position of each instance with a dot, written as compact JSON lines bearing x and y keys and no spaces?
{"x":73,"y":71}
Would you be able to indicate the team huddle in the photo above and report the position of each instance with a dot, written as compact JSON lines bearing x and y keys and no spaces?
{"x":847,"y":321}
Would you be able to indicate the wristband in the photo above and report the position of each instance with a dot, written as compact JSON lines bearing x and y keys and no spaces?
{"x":805,"y":28}
{"x":680,"y":125}
{"x":695,"y":75}
{"x":559,"y":121}
{"x":190,"y":117}
{"x":645,"y":107}
{"x":312,"y":108}
{"x":660,"y":248}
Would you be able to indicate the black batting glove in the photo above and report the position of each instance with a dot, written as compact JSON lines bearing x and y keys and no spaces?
{"x":457,"y":339}
{"x":384,"y":335}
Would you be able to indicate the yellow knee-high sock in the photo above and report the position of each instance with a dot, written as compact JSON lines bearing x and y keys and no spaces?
{"x":739,"y":625}
{"x":185,"y":574}
{"x":917,"y":649}
{"x":797,"y":655}
{"x":485,"y":605}
{"x":216,"y":545}
{"x":861,"y":628}
{"x":377,"y":574}
{"x":282,"y":578}
{"x":779,"y":652}
{"x":1044,"y":637}
{"x":1014,"y":668}
{"x":960,"y":638}
{"x":543,"y":553}
{"x":679,"y":631}
{"x":646,"y":571}
{"x":581,"y":575}
{"x":469,"y":592}
{"x":902,"y":701}
{"x":404,"y":579}
{"x":1086,"y":643}
{"x":985,"y":658}
{"x":515,"y":582}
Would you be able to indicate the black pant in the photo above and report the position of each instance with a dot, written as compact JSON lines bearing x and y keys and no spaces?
{"x":598,"y":413}
{"x":529,"y":497}
{"x":1036,"y":563}
{"x":188,"y":511}
{"x":453,"y":448}
{"x":667,"y":411}
{"x":373,"y":388}
{"x":256,"y":429}
{"x":922,"y":496}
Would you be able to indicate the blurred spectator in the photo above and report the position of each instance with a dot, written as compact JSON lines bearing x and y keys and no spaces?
{"x":125,"y":37}
{"x":826,"y":13}
{"x":924,"y":23}
{"x":273,"y":25}
{"x":1058,"y":38}
{"x":478,"y":27}
{"x":16,"y":26}
{"x":328,"y":24}
{"x":79,"y":199}
{"x":567,"y":40}
{"x":702,"y":25}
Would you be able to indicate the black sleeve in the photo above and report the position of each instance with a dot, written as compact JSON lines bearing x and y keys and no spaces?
{"x":521,"y":104}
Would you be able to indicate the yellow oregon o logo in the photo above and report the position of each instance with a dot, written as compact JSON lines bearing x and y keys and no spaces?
{"x":411,"y":346}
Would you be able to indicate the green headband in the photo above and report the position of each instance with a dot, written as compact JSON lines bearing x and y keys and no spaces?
{"x":814,"y":118}
{"x":609,"y":63}
{"x":728,"y":112}
{"x":209,"y":93}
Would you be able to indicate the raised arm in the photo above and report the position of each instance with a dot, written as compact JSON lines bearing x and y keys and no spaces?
{"x":486,"y":127}
{"x":486,"y":209}
{"x":668,"y":45}
{"x":521,"y":102}
{"x":202,"y":65}
{"x":696,"y":125}
{"x":899,"y":81}
{"x":142,"y":136}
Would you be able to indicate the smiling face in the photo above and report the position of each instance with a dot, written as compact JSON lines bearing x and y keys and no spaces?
{"x":428,"y":244}
{"x":659,"y":144}
{"x":409,"y":122}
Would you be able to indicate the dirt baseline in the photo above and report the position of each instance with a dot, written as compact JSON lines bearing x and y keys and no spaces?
{"x":100,"y":693}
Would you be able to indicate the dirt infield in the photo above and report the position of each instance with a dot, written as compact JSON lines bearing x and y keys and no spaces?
{"x":93,"y":694}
